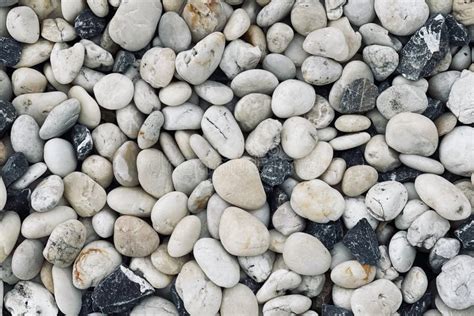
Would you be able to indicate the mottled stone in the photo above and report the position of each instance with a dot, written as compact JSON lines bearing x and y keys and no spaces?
{"x":465,"y":233}
{"x":88,"y":25}
{"x":435,"y":109}
{"x":275,"y":167}
{"x":359,"y":96}
{"x":123,"y":60}
{"x":10,"y":51}
{"x":8,"y":115}
{"x":333,"y":310}
{"x":329,"y":234}
{"x":425,"y":49}
{"x":362,"y":242}
{"x":81,"y":139}
{"x":14,"y":168}
{"x":120,"y":291}
{"x":458,"y":34}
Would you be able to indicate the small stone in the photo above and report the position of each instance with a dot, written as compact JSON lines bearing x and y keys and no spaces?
{"x":463,"y":12}
{"x":458,"y":34}
{"x":335,"y":310}
{"x":258,"y":81}
{"x":375,"y":34}
{"x":133,"y":237}
{"x":88,"y":25}
{"x":188,"y":175}
{"x":402,"y":253}
{"x":274,"y":169}
{"x":10,"y":224}
{"x":315,"y":163}
{"x":328,"y":42}
{"x":239,"y":56}
{"x":10,"y":51}
{"x":359,"y":96}
{"x":239,"y":299}
{"x":435,"y":109}
{"x":15,"y":167}
{"x":47,"y":194}
{"x":425,"y":49}
{"x":66,"y":61}
{"x":419,"y":307}
{"x":351,"y":274}
{"x":459,"y":97}
{"x":65,"y":243}
{"x":123,"y":61}
{"x":154,"y":305}
{"x":114,"y":91}
{"x":358,"y":179}
{"x":401,"y":174}
{"x":82,"y":141}
{"x":131,"y":201}
{"x":329,"y":234}
{"x":27,"y":259}
{"x":274,"y":12}
{"x":362,"y":242}
{"x":426,"y":229}
{"x":184,"y":236}
{"x":278,"y":282}
{"x":414,"y":285}
{"x":154,"y":172}
{"x":174,"y":32}
{"x":385,"y":200}
{"x":157,"y":66}
{"x":23,"y":24}
{"x":444,"y":250}
{"x":30,"y":298}
{"x":120,"y":291}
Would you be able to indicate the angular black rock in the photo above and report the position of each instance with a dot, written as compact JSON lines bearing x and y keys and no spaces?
{"x":89,"y":25}
{"x":123,"y":60}
{"x":435,"y":109}
{"x":359,"y":96}
{"x":425,"y":49}
{"x":361,"y":240}
{"x":251,"y":284}
{"x":418,"y":308}
{"x":465,"y":234}
{"x":329,"y":234}
{"x":275,"y":167}
{"x":120,"y":291}
{"x":81,"y":138}
{"x":87,"y":306}
{"x":332,"y":310}
{"x":18,"y":201}
{"x":458,"y":34}
{"x":10,"y":51}
{"x":177,"y":301}
{"x":353,"y":156}
{"x":400,"y":174}
{"x":14,"y":168}
{"x":7,"y":116}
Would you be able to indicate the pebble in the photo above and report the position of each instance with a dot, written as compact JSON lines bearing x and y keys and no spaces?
{"x":280,"y":65}
{"x":98,"y":169}
{"x":10,"y":224}
{"x":239,"y":56}
{"x":411,"y":211}
{"x":239,"y":299}
{"x":254,"y":238}
{"x":265,"y":137}
{"x":358,"y":96}
{"x":382,"y":60}
{"x":453,"y":279}
{"x":441,"y":195}
{"x":355,"y":211}
{"x":274,"y":12}
{"x":116,"y":85}
{"x":27,"y":259}
{"x":414,"y":285}
{"x":85,"y":195}
{"x":57,"y":30}
{"x":380,"y":297}
{"x":23,"y":25}
{"x":315,"y":163}
{"x":385,"y":200}
{"x":65,"y":243}
{"x":450,"y":154}
{"x":30,"y":298}
{"x":420,"y":232}
{"x":34,"y":172}
{"x":401,"y":98}
{"x":47,"y":194}
{"x":352,"y":274}
{"x":10,"y":52}
{"x":286,"y":221}
{"x":95,"y":261}
{"x":402,"y":253}
{"x":362,"y":242}
{"x":145,"y":268}
{"x":61,"y":118}
{"x":421,"y":163}
{"x":88,"y":25}
{"x":327,"y":42}
{"x":349,"y":141}
{"x":28,"y":80}
{"x":299,"y":250}
{"x":157,"y":66}
{"x":66,"y":61}
{"x":90,"y":113}
{"x":352,"y":123}
{"x":252,"y":109}
{"x":25,"y":138}
{"x":130,"y":234}
{"x":444,"y":250}
{"x":459,"y":95}
{"x":400,"y":18}
{"x":14,"y":168}
{"x":68,"y":298}
{"x":358,"y":179}
{"x":184,"y":235}
{"x":279,"y":36}
{"x":188,"y":175}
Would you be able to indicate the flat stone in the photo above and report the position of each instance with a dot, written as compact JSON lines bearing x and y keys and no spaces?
{"x":120,"y":291}
{"x":362,"y":242}
{"x":359,"y":96}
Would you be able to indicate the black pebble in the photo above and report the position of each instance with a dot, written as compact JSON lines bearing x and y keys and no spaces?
{"x":435,"y":109}
{"x":332,"y":310}
{"x":353,"y":156}
{"x":418,"y":58}
{"x":458,"y":34}
{"x":10,"y":51}
{"x":81,"y":141}
{"x":329,"y":234}
{"x":359,"y":96}
{"x":19,"y":201}
{"x":87,"y":307}
{"x":123,"y":60}
{"x":275,"y":167}
{"x":400,"y":174}
{"x":251,"y":284}
{"x":89,"y":25}
{"x":276,"y":197}
{"x":361,"y":240}
{"x":418,"y":308}
{"x":177,"y":301}
{"x":118,"y":292}
{"x":465,"y":234}
{"x":7,"y":116}
{"x":14,"y":168}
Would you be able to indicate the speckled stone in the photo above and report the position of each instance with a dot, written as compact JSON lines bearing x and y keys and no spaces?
{"x":18,"y":201}
{"x":359,"y":96}
{"x":81,"y":139}
{"x":275,"y":167}
{"x":435,"y":109}
{"x":329,"y":234}
{"x":417,"y":308}
{"x":14,"y":168}
{"x":458,"y":34}
{"x":123,"y":61}
{"x":425,"y":49}
{"x":8,"y":115}
{"x":333,"y":310}
{"x":120,"y":291}
{"x":361,"y":240}
{"x":465,"y":233}
{"x":400,"y":174}
{"x":88,"y":25}
{"x":10,"y":51}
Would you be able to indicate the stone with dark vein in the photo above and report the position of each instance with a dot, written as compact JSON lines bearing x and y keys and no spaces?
{"x":120,"y":291}
{"x":8,"y":115}
{"x":458,"y":34}
{"x":14,"y":168}
{"x":10,"y":51}
{"x":89,"y":25}
{"x":333,"y":310}
{"x":359,"y":96}
{"x":361,"y":240}
{"x":329,"y":234}
{"x":400,"y":174}
{"x":425,"y":49}
{"x":465,"y":234}
{"x":435,"y":109}
{"x":81,"y":139}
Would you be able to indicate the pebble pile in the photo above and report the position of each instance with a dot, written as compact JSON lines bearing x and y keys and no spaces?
{"x":237,"y":157}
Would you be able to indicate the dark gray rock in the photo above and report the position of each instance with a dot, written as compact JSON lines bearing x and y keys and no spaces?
{"x":465,"y":233}
{"x":418,"y":308}
{"x":359,"y":96}
{"x":177,"y":301}
{"x":123,"y":60}
{"x":14,"y":168}
{"x":251,"y":284}
{"x":458,"y":34}
{"x":8,"y":115}
{"x":18,"y":201}
{"x":81,"y":139}
{"x":361,"y":240}
{"x":333,"y":310}
{"x":89,"y":25}
{"x":10,"y":51}
{"x":353,"y":156}
{"x":435,"y":109}
{"x":329,"y":234}
{"x":425,"y":49}
{"x":400,"y":174}
{"x":275,"y":197}
{"x":120,"y":291}
{"x":275,"y":167}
